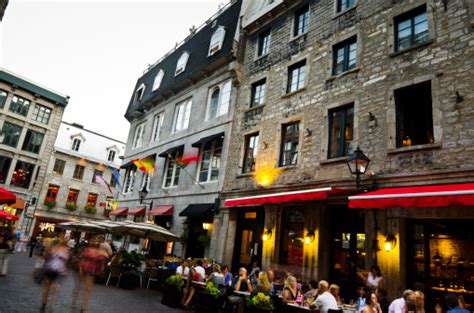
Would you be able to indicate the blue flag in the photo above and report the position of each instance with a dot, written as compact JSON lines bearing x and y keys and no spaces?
{"x":116,"y":176}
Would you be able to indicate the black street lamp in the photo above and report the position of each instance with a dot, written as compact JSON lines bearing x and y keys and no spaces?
{"x":142,"y":195}
{"x":358,"y":163}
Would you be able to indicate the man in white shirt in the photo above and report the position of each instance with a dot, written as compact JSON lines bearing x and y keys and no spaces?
{"x":399,"y":305}
{"x":199,"y":269}
{"x":183,"y":269}
{"x":325,"y":301}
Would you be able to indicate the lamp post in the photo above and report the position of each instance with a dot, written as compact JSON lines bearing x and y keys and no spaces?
{"x":142,"y":195}
{"x":358,"y":163}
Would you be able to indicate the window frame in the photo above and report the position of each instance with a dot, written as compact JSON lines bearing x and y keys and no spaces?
{"x":348,"y":3}
{"x":184,"y":124}
{"x":139,"y":93}
{"x":15,"y":137}
{"x":342,"y":121}
{"x":110,"y":153}
{"x":41,"y":118}
{"x":28,"y":144}
{"x":261,"y":93}
{"x":254,"y":154}
{"x":345,"y":45}
{"x":175,"y":171}
{"x":264,"y":42}
{"x":223,"y":99}
{"x":300,"y":67}
{"x":181,"y":63}
{"x":212,"y":153}
{"x":410,"y":16}
{"x":94,"y":196}
{"x":129,"y":180}
{"x":158,"y":119}
{"x":3,"y":98}
{"x":158,"y":80}
{"x":19,"y":108}
{"x":79,"y":169}
{"x":305,"y":12}
{"x":138,"y":135}
{"x":61,"y":164}
{"x":216,"y":41}
{"x":52,"y":196}
{"x":294,"y":150}
{"x":30,"y":177}
{"x":5,"y":165}
{"x":76,"y":144}
{"x":75,"y":193}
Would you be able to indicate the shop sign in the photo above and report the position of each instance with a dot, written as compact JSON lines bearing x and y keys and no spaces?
{"x":45,"y":226}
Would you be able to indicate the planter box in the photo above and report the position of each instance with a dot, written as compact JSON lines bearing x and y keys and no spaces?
{"x":256,"y":309}
{"x":171,"y":296}
{"x":205,"y":303}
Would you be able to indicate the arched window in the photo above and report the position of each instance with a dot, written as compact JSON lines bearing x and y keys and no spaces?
{"x":181,"y":65}
{"x":158,"y":79}
{"x":217,"y":40}
{"x":214,"y":103}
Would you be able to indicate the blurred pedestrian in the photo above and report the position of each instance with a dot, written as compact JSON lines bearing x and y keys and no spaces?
{"x":7,"y":239}
{"x":92,"y":262}
{"x":55,"y":267}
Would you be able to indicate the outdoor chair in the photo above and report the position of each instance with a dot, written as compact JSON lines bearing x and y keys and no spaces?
{"x":335,"y":311}
{"x":116,"y":272}
{"x":154,"y":275}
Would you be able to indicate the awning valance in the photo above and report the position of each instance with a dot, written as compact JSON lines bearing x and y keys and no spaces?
{"x":120,"y":212}
{"x":19,"y":204}
{"x":127,"y":165}
{"x":139,"y":210}
{"x":162,"y":210}
{"x":198,"y":210}
{"x":170,"y":151}
{"x":416,"y":197}
{"x":198,"y":143}
{"x":290,"y":196}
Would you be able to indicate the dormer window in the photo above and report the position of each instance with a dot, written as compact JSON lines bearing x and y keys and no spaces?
{"x":139,"y":93}
{"x":217,"y":40}
{"x":76,"y":143}
{"x":181,"y":65}
{"x":111,"y":155}
{"x":158,"y":79}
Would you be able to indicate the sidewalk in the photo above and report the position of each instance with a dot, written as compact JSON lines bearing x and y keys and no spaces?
{"x":19,"y":293}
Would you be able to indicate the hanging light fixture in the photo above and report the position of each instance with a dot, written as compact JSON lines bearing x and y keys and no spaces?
{"x":358,"y":163}
{"x":309,"y":238}
{"x":267,"y":235}
{"x":390,"y":242}
{"x":206,"y":226}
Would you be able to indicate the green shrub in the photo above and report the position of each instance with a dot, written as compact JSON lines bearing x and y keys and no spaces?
{"x":212,"y":290}
{"x":131,"y":259}
{"x":260,"y":300}
{"x":90,"y":209}
{"x":71,"y":206}
{"x":50,"y":204}
{"x":175,"y":280}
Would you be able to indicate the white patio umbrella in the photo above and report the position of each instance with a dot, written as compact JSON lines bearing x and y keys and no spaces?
{"x":82,"y":226}
{"x":147,"y":230}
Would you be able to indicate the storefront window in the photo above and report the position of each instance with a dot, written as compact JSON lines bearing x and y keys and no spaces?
{"x":22,"y":175}
{"x":292,"y":237}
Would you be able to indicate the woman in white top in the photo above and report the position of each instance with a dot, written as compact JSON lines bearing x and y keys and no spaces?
{"x":374,"y":278}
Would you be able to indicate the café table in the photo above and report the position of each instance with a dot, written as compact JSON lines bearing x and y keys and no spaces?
{"x":242,"y":293}
{"x":201,"y":283}
{"x":300,"y":308}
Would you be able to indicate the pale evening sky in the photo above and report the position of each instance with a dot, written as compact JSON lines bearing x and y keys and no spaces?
{"x":94,"y":51}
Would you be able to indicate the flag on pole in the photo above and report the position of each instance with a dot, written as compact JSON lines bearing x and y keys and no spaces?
{"x":184,"y":160}
{"x":146,"y":165}
{"x":100,"y":180}
{"x":116,"y":177}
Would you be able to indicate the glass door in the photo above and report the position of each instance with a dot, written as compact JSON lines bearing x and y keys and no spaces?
{"x":248,"y":240}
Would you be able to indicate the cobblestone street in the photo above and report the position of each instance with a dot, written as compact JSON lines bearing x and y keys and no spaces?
{"x":19,"y":293}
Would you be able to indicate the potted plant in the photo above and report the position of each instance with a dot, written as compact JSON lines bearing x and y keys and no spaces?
{"x":50,"y":204}
{"x":173,"y":291}
{"x":259,"y":303}
{"x":90,"y":209}
{"x":207,"y":300}
{"x":203,"y":240}
{"x":71,"y":206}
{"x":130,"y":262}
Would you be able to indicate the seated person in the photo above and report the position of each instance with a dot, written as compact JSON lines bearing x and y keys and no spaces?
{"x":183,"y":269}
{"x":216,"y":276}
{"x":242,"y":282}
{"x":227,"y":275}
{"x":325,"y":300}
{"x":290,"y":291}
{"x":312,"y":293}
{"x":263,"y":285}
{"x":334,"y":290}
{"x":199,"y":270}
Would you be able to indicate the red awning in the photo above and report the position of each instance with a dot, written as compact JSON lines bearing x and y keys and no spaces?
{"x":7,"y":216}
{"x":291,"y":196}
{"x":6,"y":197}
{"x":139,"y":210}
{"x":19,"y":204}
{"x":120,"y":212}
{"x":416,"y":197}
{"x":162,"y":210}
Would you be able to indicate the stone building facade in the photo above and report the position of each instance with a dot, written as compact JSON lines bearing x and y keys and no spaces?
{"x":180,"y":115}
{"x":30,"y":115}
{"x":72,"y":183}
{"x":391,"y":77}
